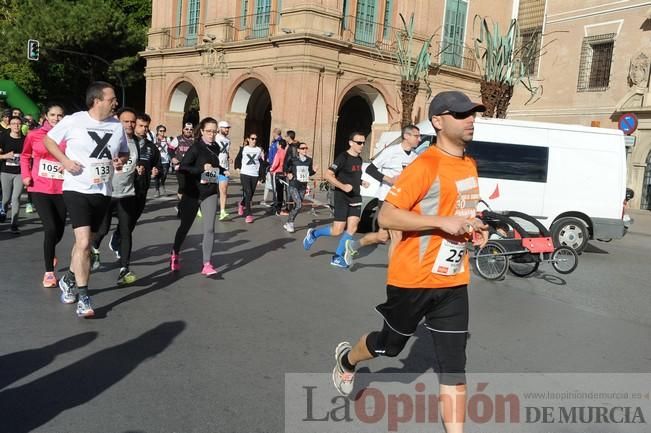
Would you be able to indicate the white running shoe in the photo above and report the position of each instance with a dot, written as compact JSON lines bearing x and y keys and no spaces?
{"x":343,"y":380}
{"x":84,"y":307}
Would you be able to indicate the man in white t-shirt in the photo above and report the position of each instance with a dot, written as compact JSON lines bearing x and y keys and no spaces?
{"x":386,"y":168}
{"x":96,"y":145}
{"x":224,"y":144}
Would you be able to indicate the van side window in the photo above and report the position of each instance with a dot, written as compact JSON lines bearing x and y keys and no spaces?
{"x":510,"y":161}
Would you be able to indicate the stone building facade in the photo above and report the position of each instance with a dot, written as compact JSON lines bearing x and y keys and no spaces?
{"x":594,"y":67}
{"x":322,"y":68}
{"x":327,"y":68}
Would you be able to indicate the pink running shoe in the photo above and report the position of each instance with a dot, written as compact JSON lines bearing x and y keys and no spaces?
{"x":175,"y":262}
{"x":50,"y":280}
{"x":249,"y":219}
{"x":208,"y":270}
{"x":240,"y":209}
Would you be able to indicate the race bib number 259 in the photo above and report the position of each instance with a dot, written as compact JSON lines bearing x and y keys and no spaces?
{"x":449,"y":260}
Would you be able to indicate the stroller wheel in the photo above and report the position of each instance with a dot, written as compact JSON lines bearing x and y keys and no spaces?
{"x":564,"y":260}
{"x":491,"y":261}
{"x":523,"y":267}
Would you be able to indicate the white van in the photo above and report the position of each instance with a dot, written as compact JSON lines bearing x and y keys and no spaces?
{"x":571,"y":178}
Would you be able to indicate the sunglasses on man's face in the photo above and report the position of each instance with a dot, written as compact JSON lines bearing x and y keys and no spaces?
{"x":253,"y":138}
{"x":161,"y":131}
{"x":359,"y":142}
{"x":302,"y":148}
{"x":460,"y":116}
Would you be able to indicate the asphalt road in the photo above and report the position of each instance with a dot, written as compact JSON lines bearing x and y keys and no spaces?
{"x":184,"y":353}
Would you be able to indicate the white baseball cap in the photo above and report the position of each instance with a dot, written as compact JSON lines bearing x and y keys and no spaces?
{"x":223,"y":124}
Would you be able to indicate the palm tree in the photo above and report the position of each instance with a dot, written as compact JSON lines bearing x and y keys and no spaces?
{"x":502,"y":65}
{"x":412,"y":69}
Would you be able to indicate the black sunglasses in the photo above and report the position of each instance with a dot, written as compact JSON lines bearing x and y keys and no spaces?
{"x":302,"y":148}
{"x":358,"y":142}
{"x":460,"y":116}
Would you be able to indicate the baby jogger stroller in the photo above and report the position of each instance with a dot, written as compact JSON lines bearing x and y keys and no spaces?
{"x":511,"y":247}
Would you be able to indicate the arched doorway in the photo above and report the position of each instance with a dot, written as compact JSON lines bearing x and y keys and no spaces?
{"x":360,"y":108}
{"x":252,"y":98}
{"x":186,"y":100}
{"x":646,"y":185}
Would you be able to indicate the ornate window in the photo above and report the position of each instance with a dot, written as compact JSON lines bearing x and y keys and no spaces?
{"x":193,"y":21}
{"x":596,"y":60}
{"x":531,"y":15}
{"x":454,"y":32}
{"x":646,"y":185}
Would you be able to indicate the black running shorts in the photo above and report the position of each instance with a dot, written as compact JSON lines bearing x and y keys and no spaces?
{"x":86,"y":210}
{"x":346,"y":207}
{"x":444,"y":310}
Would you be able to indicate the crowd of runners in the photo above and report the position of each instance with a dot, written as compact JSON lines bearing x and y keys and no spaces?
{"x":94,"y":165}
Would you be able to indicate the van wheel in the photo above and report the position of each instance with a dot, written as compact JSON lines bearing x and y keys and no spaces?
{"x":375,"y":225}
{"x":570,"y":232}
{"x":368,"y":219}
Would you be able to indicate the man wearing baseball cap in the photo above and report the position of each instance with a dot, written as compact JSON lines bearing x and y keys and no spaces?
{"x":224,"y":144}
{"x":433,"y":203}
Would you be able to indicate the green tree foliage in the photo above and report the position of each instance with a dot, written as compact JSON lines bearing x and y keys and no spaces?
{"x":114,"y":30}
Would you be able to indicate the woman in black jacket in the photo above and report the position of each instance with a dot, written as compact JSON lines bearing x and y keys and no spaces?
{"x":200,"y":167}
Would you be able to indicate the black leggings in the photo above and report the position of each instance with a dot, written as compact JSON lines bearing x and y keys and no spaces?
{"x":279,"y":191}
{"x":125,"y":209}
{"x":248,"y":187}
{"x":162,"y":176}
{"x":188,"y":207}
{"x":52,"y":210}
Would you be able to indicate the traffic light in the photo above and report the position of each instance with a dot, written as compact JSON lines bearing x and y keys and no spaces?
{"x":33,"y":49}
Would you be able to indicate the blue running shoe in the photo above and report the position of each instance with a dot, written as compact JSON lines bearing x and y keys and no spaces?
{"x":339,"y":262}
{"x":309,"y":239}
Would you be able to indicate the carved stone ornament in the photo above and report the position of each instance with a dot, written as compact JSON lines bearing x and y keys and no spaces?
{"x":638,"y":72}
{"x":213,"y":62}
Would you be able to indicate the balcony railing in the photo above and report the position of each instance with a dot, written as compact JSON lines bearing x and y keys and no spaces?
{"x":250,"y":27}
{"x":368,"y":33}
{"x":456,"y":55}
{"x":182,"y":36}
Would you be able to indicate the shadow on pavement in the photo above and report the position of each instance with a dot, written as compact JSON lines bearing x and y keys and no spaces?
{"x":590,"y":248}
{"x":34,"y":404}
{"x":17,"y":365}
{"x":241,"y":258}
{"x":157,"y":280}
{"x":417,"y":361}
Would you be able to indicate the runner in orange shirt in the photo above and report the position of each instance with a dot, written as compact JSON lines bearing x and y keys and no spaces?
{"x":434,"y":204}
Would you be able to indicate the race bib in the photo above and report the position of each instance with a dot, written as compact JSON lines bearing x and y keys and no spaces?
{"x":13,"y":162}
{"x":302,"y":173}
{"x":210,"y":176}
{"x":101,"y":171}
{"x":223,"y":160}
{"x":449,"y":260}
{"x":50,"y":169}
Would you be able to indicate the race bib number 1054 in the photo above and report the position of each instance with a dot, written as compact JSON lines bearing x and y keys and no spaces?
{"x":50,"y":169}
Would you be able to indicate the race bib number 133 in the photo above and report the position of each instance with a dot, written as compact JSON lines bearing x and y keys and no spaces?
{"x":101,"y":171}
